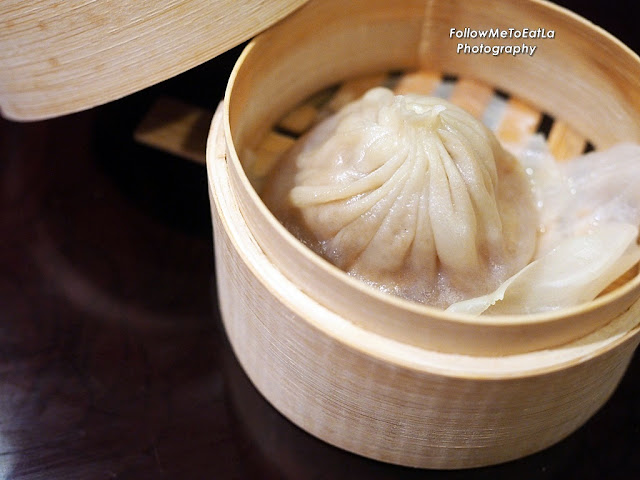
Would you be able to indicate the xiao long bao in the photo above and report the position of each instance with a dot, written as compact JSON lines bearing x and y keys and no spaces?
{"x":416,"y":197}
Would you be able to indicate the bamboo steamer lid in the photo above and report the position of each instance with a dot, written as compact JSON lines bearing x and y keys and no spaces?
{"x":61,"y":57}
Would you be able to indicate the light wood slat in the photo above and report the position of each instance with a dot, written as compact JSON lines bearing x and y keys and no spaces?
{"x":177,"y":128}
{"x":273,"y":146}
{"x":620,"y":281}
{"x":353,"y":89}
{"x":420,"y":82}
{"x":518,"y":123}
{"x":471,"y":95}
{"x":300,"y":119}
{"x":564,"y":142}
{"x":305,"y":115}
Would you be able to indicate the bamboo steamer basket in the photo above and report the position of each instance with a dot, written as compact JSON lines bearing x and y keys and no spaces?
{"x":372,"y":374}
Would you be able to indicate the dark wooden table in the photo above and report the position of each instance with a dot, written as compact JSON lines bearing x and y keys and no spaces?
{"x":114,"y":363}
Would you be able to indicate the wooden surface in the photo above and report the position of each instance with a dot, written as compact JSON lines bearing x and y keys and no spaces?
{"x":115,"y":365}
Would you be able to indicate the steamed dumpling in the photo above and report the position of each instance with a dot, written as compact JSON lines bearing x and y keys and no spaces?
{"x":411,"y":194}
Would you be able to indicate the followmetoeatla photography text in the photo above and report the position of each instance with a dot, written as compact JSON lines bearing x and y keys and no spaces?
{"x":520,"y":46}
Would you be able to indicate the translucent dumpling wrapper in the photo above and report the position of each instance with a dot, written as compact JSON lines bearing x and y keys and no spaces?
{"x":573,"y":272}
{"x":589,"y":218}
{"x":412,"y":195}
{"x":589,"y":190}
